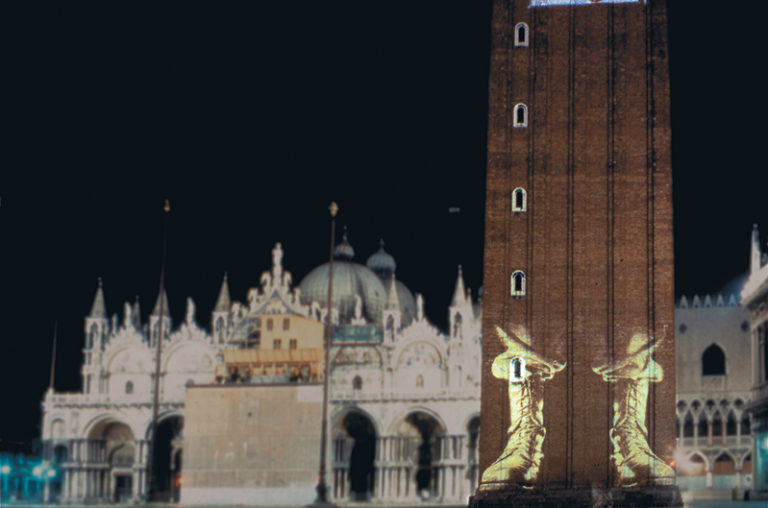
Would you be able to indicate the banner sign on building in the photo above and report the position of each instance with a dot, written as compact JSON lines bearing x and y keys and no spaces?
{"x":356,"y":335}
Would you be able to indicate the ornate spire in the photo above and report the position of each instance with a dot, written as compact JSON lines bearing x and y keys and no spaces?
{"x":99,"y":310}
{"x":156,"y":310}
{"x":459,"y":294}
{"x":393,"y":302}
{"x":755,"y":256}
{"x":137,"y":313}
{"x":223,"y":303}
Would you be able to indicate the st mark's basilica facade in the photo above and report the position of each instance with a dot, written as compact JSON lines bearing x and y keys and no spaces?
{"x":404,"y":397}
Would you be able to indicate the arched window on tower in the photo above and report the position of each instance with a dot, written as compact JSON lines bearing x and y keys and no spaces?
{"x":519,"y":200}
{"x":516,"y":369}
{"x":93,"y":337}
{"x":357,"y":383}
{"x":520,"y":115}
{"x":517,"y":283}
{"x":713,"y":361}
{"x":129,"y":387}
{"x":521,"y":35}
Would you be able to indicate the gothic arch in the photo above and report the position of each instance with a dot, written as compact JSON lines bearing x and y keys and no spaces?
{"x":399,"y":359}
{"x":701,"y":456}
{"x":713,"y":361}
{"x":57,"y":429}
{"x":401,"y":417}
{"x":340,"y":414}
{"x":201,"y":349}
{"x":104,"y":419}
{"x":140,"y":350}
{"x":161,"y":417}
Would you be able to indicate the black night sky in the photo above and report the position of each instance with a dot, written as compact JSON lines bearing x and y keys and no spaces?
{"x":251,"y":118}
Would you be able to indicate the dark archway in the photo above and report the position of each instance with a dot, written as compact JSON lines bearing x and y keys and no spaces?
{"x":362,"y":458}
{"x":427,"y":453}
{"x":166,"y":460}
{"x":117,"y":448}
{"x":473,"y":433}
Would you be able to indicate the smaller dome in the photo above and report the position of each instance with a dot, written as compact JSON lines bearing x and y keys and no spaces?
{"x":344,"y":250}
{"x":381,"y":260}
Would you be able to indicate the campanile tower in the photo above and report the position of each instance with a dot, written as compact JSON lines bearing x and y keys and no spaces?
{"x":578,"y":355}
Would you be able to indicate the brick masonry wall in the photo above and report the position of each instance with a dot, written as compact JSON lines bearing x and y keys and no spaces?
{"x":596,"y":240}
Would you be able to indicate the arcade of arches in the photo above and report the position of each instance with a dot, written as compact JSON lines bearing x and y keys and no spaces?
{"x":110,"y":464}
{"x":418,"y":461}
{"x":714,"y":443}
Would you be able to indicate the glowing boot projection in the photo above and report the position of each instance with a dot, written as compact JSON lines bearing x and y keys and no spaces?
{"x":635,"y":462}
{"x":519,"y":462}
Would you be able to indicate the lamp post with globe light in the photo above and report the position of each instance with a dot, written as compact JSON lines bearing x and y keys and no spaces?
{"x":5,"y":470}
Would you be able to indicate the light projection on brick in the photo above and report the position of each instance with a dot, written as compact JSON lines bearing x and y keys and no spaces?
{"x":526,"y":372}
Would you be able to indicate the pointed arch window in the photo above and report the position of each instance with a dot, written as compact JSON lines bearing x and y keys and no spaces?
{"x":519,"y":200}
{"x":703,"y":430}
{"x":717,"y":425}
{"x":746,"y":427}
{"x":688,"y":425}
{"x":713,"y":361}
{"x":517,"y":283}
{"x":521,"y":35}
{"x":520,"y":115}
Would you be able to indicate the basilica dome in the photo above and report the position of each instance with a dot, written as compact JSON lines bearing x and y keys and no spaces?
{"x":350,"y":280}
{"x":369,"y":283}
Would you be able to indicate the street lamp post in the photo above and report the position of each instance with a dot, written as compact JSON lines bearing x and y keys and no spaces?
{"x":322,"y":487}
{"x":5,"y":470}
{"x":151,"y":466}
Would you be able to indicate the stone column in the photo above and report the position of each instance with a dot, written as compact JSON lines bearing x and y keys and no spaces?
{"x":65,"y":485}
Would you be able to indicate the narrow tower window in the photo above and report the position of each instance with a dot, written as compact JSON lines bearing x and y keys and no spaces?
{"x":521,"y":35}
{"x":520,"y":115}
{"x":357,"y":383}
{"x":129,"y":387}
{"x":517,"y":283}
{"x":519,"y":200}
{"x":517,"y":366}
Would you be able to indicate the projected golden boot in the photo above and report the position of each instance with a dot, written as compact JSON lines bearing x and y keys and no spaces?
{"x":526,"y":371}
{"x":635,"y":462}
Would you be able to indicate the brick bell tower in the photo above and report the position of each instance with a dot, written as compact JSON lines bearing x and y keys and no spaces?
{"x":578,"y":388}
